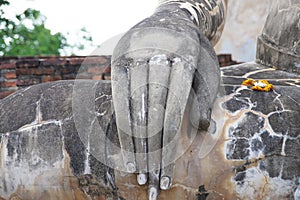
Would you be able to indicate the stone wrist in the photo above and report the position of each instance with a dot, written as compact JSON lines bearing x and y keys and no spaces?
{"x":208,"y":15}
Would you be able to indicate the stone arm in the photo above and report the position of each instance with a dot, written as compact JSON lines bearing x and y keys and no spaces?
{"x":157,"y":66}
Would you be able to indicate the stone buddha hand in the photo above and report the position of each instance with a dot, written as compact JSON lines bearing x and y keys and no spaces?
{"x":157,"y":67}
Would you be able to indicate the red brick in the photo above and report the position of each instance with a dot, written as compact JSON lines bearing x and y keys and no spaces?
{"x":22,"y":71}
{"x":107,"y":77}
{"x":8,"y":84}
{"x":7,"y":66}
{"x":6,"y":93}
{"x":26,"y":82}
{"x":46,"y":71}
{"x":51,"y":78}
{"x":99,"y":60}
{"x":99,"y":77}
{"x":83,"y":76}
{"x":69,"y":76}
{"x":28,"y":63}
{"x":69,"y":69}
{"x":226,"y":60}
{"x":76,"y":61}
{"x":107,"y":69}
{"x":95,"y":70}
{"x":37,"y":71}
{"x":10,"y":75}
{"x":55,"y":61}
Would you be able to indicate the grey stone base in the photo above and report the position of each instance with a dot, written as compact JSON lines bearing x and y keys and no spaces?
{"x":272,"y":56}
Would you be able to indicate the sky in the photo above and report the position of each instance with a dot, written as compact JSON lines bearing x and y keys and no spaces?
{"x":107,"y":20}
{"x":103,"y":19}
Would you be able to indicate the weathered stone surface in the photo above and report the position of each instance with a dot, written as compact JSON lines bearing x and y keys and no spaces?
{"x":251,"y":152}
{"x":19,"y":119}
{"x":279,"y":45}
{"x":42,"y":154}
{"x":264,"y":131}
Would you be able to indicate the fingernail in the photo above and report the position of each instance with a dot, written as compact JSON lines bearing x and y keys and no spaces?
{"x":165,"y":183}
{"x":142,"y":179}
{"x":153,"y":193}
{"x":131,"y":167}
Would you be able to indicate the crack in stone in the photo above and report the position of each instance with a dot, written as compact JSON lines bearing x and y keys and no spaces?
{"x":277,"y":98}
{"x":293,"y":100}
{"x":38,"y":121}
{"x":257,"y":71}
{"x":283,"y":146}
{"x":255,"y":161}
{"x":281,"y":170}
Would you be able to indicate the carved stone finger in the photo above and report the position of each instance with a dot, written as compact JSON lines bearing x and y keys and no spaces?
{"x":121,"y":96}
{"x":201,"y":111}
{"x":139,"y":107}
{"x":178,"y":92}
{"x":112,"y":145}
{"x":205,"y":87}
{"x":159,"y":72}
{"x":153,"y":190}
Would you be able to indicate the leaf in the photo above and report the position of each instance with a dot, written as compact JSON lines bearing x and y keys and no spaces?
{"x":17,"y":39}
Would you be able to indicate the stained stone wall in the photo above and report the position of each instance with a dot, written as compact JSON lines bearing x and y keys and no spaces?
{"x":251,"y":150}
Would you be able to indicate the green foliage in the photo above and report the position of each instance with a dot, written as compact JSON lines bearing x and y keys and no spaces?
{"x":26,"y":35}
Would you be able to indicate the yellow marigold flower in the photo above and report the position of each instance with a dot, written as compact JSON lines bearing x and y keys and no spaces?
{"x":248,"y":82}
{"x":260,"y":85}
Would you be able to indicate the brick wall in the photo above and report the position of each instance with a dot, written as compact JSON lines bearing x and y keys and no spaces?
{"x":16,"y":73}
